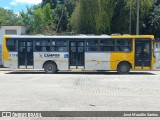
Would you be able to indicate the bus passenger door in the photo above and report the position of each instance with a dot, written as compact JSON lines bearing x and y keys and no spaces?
{"x":76,"y":53}
{"x":25,"y":54}
{"x":143,"y":53}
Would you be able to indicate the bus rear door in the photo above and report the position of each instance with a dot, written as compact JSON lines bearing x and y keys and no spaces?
{"x":76,"y":53}
{"x":143,"y":54}
{"x":25,"y":54}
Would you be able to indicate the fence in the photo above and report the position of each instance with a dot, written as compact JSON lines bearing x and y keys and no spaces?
{"x":157,"y":54}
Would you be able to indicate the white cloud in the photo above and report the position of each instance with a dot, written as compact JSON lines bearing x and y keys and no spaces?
{"x":27,"y":1}
{"x":6,"y":7}
{"x":17,"y":13}
{"x":13,"y":3}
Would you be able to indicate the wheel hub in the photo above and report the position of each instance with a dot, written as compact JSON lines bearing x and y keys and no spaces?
{"x":124,"y":68}
{"x":50,"y":67}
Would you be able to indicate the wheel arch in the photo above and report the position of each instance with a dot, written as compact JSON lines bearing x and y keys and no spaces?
{"x":125,"y":62}
{"x":49,"y":61}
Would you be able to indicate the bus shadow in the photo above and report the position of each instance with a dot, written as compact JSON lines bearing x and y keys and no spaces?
{"x":79,"y":73}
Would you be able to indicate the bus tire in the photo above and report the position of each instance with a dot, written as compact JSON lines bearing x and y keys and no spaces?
{"x":124,"y":68}
{"x":50,"y":68}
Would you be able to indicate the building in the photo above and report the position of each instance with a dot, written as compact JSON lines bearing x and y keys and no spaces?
{"x":157,"y":54}
{"x":10,"y":30}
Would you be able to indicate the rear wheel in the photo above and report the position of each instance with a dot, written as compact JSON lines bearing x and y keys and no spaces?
{"x":124,"y":68}
{"x":50,"y":68}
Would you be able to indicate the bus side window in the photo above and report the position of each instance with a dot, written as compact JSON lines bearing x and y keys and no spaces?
{"x":147,"y":48}
{"x":61,"y":46}
{"x":92,"y":45}
{"x":107,"y":45}
{"x":42,"y":45}
{"x":46,"y":45}
{"x":123,"y":45}
{"x":53,"y":43}
{"x":38,"y":45}
{"x":11,"y":45}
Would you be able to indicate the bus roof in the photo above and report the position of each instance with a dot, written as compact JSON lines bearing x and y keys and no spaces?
{"x":80,"y":36}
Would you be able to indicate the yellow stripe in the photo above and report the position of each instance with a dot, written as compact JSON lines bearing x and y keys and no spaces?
{"x":51,"y":60}
{"x":11,"y":60}
{"x":140,"y":68}
{"x":4,"y":49}
{"x":95,"y":61}
{"x":146,"y":68}
{"x":134,"y":36}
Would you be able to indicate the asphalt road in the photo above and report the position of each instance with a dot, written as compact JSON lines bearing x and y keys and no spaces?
{"x":81,"y":91}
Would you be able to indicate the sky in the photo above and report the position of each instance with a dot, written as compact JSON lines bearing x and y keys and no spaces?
{"x":18,"y":5}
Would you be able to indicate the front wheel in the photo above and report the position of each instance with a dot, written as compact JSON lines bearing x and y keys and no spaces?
{"x":50,"y":68}
{"x":124,"y":68}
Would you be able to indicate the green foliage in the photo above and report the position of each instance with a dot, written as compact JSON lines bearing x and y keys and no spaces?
{"x":62,"y":10}
{"x":8,"y":17}
{"x":60,"y":17}
{"x":48,"y":15}
{"x":53,"y":3}
{"x":145,"y":7}
{"x":104,"y":15}
{"x":120,"y":20}
{"x":74,"y":21}
{"x":152,"y":23}
{"x":92,"y":16}
{"x":86,"y":17}
{"x":39,"y":19}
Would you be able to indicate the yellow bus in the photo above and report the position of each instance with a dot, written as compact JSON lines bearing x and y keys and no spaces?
{"x":81,"y":52}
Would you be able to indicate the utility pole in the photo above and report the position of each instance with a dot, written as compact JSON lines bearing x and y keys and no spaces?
{"x":130,"y":19}
{"x":137,"y":28}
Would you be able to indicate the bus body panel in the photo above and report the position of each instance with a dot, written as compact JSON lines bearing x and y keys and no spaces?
{"x":116,"y":58}
{"x":97,"y":61}
{"x":61,"y":59}
{"x":93,"y":60}
{"x":12,"y":60}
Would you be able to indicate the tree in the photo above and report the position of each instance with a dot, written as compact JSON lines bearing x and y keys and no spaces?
{"x":153,"y":20}
{"x":104,"y":16}
{"x":53,"y":3}
{"x":83,"y":17}
{"x":92,"y":16}
{"x":120,"y":20}
{"x":8,"y":17}
{"x":39,"y":20}
{"x":61,"y":17}
{"x":62,"y":10}
{"x":87,"y":16}
{"x":74,"y":21}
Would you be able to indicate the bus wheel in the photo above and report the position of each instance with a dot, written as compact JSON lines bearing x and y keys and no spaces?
{"x":50,"y":68}
{"x":124,"y":68}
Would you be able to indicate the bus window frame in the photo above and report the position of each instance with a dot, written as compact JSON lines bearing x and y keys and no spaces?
{"x":15,"y":44}
{"x":115,"y":39}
